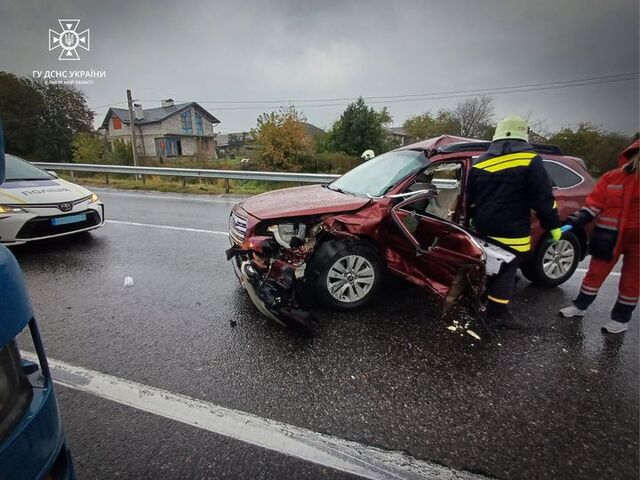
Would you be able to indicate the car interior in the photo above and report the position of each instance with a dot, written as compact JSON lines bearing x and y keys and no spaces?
{"x":446,"y":180}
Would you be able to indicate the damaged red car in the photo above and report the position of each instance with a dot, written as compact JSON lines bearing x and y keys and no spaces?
{"x":402,"y":213}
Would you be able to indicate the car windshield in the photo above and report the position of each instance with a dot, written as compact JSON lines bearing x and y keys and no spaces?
{"x":378,"y":175}
{"x":18,"y":169}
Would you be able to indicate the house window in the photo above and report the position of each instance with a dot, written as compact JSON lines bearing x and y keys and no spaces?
{"x":117,"y":123}
{"x":199,"y":128}
{"x":187,"y":126}
{"x":168,"y":147}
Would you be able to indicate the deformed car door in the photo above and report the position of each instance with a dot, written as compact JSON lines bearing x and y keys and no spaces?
{"x":445,"y":258}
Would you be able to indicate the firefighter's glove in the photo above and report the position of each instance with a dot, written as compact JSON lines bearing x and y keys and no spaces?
{"x":556,"y":233}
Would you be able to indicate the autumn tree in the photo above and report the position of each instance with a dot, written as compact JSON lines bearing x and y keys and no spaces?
{"x":471,"y":118}
{"x":429,"y":125}
{"x":359,"y":128}
{"x":598,"y":148}
{"x":282,"y":138}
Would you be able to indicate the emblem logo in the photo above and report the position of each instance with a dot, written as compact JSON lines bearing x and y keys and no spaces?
{"x":69,"y":39}
{"x":65,"y":207}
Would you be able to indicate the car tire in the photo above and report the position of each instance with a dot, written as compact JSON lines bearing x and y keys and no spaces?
{"x":553,"y":263}
{"x":346,"y":274}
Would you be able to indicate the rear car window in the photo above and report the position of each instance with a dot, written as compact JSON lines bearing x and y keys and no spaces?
{"x":561,"y":176}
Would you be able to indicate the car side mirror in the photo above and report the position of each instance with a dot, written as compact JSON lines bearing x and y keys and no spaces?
{"x":51,"y":172}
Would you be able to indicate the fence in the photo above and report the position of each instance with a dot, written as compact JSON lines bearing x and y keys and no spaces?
{"x":185,"y":173}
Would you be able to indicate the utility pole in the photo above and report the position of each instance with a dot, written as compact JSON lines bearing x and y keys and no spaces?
{"x":132,"y":120}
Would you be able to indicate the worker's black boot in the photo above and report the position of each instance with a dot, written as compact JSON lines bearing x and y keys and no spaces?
{"x":500,"y":317}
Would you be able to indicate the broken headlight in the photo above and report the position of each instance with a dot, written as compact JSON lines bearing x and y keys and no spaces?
{"x":289,"y":235}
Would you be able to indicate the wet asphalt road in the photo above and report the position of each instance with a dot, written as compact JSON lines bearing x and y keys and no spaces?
{"x":559,"y":400}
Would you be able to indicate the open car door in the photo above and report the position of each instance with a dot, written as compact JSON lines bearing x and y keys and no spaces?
{"x":446,"y":259}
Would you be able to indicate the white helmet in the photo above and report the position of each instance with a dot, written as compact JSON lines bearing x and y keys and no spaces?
{"x":367,"y":154}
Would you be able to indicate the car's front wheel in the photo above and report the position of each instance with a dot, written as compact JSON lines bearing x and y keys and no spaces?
{"x":553,"y":263}
{"x":347,"y":274}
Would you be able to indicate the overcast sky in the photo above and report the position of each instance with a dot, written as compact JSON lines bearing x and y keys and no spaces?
{"x":221,"y":51}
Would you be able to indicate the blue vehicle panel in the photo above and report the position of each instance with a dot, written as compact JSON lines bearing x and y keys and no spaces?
{"x":32,"y":442}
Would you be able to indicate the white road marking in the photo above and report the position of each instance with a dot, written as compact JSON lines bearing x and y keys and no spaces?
{"x":167,"y":197}
{"x":167,"y":227}
{"x":346,"y":456}
{"x":584,"y":270}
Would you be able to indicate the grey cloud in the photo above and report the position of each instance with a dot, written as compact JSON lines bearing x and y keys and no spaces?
{"x":199,"y":50}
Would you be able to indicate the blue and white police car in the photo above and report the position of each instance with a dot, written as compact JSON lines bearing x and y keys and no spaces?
{"x":36,"y":204}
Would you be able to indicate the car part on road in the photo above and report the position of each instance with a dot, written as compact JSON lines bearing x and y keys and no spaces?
{"x":273,"y":294}
{"x":553,"y":262}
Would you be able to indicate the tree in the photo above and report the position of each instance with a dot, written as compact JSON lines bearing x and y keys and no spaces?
{"x":87,"y":147}
{"x":41,"y":119}
{"x":599,"y":149}
{"x":66,"y":113}
{"x":282,"y":138}
{"x":474,"y":117}
{"x":21,"y":110}
{"x":359,"y":128}
{"x":428,"y":125}
{"x":121,"y":153}
{"x":471,"y":118}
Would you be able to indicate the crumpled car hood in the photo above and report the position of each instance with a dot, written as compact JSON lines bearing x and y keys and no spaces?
{"x":301,"y":201}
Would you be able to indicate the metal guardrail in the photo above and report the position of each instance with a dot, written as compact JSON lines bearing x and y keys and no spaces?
{"x":227,"y":175}
{"x":190,"y":172}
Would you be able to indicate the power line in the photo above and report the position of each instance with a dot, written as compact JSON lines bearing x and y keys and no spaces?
{"x":621,"y":76}
{"x":442,"y":97}
{"x":415,"y":97}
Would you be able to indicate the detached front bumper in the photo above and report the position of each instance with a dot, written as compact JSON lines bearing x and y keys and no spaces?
{"x":273,"y":291}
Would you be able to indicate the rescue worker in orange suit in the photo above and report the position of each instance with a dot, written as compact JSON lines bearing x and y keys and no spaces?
{"x":506,"y":183}
{"x":613,"y":205}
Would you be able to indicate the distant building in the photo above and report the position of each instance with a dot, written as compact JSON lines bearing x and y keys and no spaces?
{"x":167,"y":131}
{"x":311,"y":130}
{"x":399,"y":136}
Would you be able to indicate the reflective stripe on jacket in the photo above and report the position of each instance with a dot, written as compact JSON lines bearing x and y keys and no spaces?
{"x":610,"y":205}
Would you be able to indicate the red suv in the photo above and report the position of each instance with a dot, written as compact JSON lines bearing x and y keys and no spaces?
{"x":402,"y":212}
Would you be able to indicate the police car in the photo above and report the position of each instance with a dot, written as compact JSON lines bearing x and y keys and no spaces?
{"x":35,"y":204}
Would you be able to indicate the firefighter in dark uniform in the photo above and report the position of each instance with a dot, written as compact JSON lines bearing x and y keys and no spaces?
{"x":506,"y":183}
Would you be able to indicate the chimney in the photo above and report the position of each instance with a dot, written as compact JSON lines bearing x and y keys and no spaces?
{"x":168,"y":102}
{"x":137,"y":111}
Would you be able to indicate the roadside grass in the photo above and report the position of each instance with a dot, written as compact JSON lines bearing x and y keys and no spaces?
{"x":326,"y":163}
{"x":205,"y":186}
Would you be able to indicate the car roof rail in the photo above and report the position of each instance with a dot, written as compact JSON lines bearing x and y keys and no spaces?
{"x":546,"y":148}
{"x":476,"y":146}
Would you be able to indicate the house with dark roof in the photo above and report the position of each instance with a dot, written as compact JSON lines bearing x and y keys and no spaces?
{"x":171,"y":130}
{"x":399,"y":136}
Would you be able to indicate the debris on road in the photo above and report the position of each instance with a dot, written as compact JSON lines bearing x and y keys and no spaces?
{"x":128,"y":282}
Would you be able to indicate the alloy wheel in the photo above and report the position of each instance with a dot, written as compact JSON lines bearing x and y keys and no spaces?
{"x":350,"y":278}
{"x":558,"y":259}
